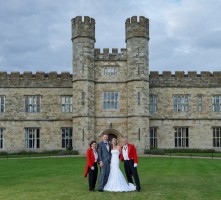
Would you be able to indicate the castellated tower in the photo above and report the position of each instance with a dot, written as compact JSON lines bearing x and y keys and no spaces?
{"x":137,"y":39}
{"x":110,"y":89}
{"x":83,"y":39}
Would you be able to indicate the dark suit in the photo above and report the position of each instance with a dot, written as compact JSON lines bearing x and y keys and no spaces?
{"x":103,"y":156}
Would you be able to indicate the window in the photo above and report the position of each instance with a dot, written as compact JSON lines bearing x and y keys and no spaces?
{"x":110,"y":71}
{"x":216,"y":103}
{"x":180,"y":103}
{"x":66,"y":137}
{"x":83,"y":98}
{"x":200,"y":103}
{"x":139,"y":134}
{"x":2,"y":104}
{"x":138,"y":70}
{"x":32,"y":104}
{"x":153,"y":137}
{"x":66,"y":104}
{"x":1,"y":139}
{"x":83,"y":135}
{"x":217,"y":137}
{"x":138,"y":98}
{"x":153,"y":103}
{"x":181,"y":137}
{"x":110,"y":100}
{"x":32,"y":138}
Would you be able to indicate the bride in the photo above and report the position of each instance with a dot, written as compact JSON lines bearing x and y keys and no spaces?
{"x":116,"y":181}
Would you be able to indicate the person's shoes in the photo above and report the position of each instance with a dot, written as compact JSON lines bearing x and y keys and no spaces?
{"x":100,"y":190}
{"x":138,"y":190}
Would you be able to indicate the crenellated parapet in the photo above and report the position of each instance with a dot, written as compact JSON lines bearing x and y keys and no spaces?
{"x":137,"y":28}
{"x":40,"y":79}
{"x":106,"y":54}
{"x":83,"y":28}
{"x":182,"y":79}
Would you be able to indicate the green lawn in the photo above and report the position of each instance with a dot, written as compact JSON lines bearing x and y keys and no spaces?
{"x":62,"y":179}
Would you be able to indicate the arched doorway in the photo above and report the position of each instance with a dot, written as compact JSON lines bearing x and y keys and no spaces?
{"x":112,"y":133}
{"x":111,"y":136}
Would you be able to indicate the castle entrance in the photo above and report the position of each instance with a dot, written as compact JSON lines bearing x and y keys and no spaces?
{"x":111,"y":136}
{"x":112,"y":133}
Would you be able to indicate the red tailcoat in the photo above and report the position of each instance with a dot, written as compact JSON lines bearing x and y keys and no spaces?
{"x":90,"y":160}
{"x":132,"y":153}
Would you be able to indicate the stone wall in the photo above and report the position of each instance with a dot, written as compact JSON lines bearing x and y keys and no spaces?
{"x":50,"y":119}
{"x":199,"y":123}
{"x":50,"y":134}
{"x":200,"y":132}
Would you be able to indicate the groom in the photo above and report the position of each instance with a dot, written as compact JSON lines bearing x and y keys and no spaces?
{"x":104,"y":157}
{"x":129,"y":157}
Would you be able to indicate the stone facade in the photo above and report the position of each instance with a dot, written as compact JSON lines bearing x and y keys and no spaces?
{"x":96,"y":72}
{"x":14,"y":87}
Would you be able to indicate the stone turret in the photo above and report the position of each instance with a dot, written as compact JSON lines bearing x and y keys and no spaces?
{"x":84,"y":28}
{"x":135,"y":28}
{"x":83,"y":39}
{"x":137,"y":39}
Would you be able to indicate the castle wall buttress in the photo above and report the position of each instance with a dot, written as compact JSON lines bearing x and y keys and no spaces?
{"x":83,"y":39}
{"x":137,"y":39}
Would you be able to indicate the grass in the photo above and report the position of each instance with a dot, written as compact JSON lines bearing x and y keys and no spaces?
{"x":62,"y":179}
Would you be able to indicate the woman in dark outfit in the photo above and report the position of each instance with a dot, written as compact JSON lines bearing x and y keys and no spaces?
{"x":91,"y":165}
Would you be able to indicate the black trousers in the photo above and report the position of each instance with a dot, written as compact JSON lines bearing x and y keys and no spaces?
{"x":130,"y":171}
{"x":92,"y":178}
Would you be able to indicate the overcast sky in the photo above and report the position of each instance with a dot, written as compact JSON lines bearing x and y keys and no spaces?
{"x":35,"y":35}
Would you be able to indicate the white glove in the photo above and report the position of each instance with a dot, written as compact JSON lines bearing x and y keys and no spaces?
{"x":135,"y":164}
{"x":92,"y":168}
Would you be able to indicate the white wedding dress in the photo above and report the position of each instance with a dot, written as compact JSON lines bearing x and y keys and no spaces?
{"x":116,"y":181}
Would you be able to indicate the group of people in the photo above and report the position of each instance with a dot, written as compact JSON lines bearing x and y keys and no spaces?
{"x":108,"y":156}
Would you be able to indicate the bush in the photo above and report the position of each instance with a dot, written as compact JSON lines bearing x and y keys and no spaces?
{"x":182,"y":150}
{"x":3,"y":153}
{"x":75,"y":152}
{"x":66,"y":152}
{"x":47,"y":152}
{"x":154,"y":151}
{"x":20,"y":153}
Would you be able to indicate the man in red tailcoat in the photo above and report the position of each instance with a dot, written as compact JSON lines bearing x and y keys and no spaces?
{"x":129,"y":157}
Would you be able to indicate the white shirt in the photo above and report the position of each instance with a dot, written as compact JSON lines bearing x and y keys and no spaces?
{"x":95,"y":155}
{"x":107,"y":145}
{"x":125,"y":152}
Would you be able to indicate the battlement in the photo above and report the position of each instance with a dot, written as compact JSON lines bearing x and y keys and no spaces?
{"x":182,"y":79}
{"x":110,"y":55}
{"x":87,"y":20}
{"x":143,"y":21}
{"x":40,"y":79}
{"x":135,"y":28}
{"x":38,"y":75}
{"x":83,"y":28}
{"x":181,"y":74}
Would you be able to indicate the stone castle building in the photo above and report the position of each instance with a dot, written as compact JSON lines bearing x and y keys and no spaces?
{"x":109,"y":92}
